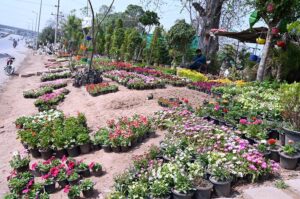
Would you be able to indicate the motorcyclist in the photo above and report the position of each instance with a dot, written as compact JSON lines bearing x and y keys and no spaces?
{"x":10,"y":61}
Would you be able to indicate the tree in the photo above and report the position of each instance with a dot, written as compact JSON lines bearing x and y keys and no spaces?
{"x":108,"y":40}
{"x":117,"y":40}
{"x":124,"y":47}
{"x":180,"y":36}
{"x":100,"y":38}
{"x":275,"y":14}
{"x":47,"y":35}
{"x":134,"y":44}
{"x":149,"y":18}
{"x":132,"y":15}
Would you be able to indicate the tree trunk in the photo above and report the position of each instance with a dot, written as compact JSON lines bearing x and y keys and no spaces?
{"x":210,"y":16}
{"x":93,"y":37}
{"x":263,"y":61}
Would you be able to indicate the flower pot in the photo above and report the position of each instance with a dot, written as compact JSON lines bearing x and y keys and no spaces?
{"x":61,"y":153}
{"x":275,"y":155}
{"x":288,"y":162}
{"x":84,"y":173}
{"x":151,"y":134}
{"x":177,"y":195}
{"x":88,"y":193}
{"x":85,"y":148}
{"x":35,"y":153}
{"x":107,"y":148}
{"x":222,"y":189}
{"x":116,"y":149}
{"x":204,"y":192}
{"x":97,"y":173}
{"x":25,"y":145}
{"x":125,"y":148}
{"x":282,"y":138}
{"x":73,"y":151}
{"x":63,"y":183}
{"x":73,"y":182}
{"x":23,"y":169}
{"x":36,"y":172}
{"x":46,"y":154}
{"x":96,"y":147}
{"x":273,"y":134}
{"x":50,"y":188}
{"x":267,"y":155}
{"x":291,"y":135}
{"x":139,"y":139}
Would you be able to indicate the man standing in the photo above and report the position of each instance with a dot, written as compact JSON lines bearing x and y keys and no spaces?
{"x":199,"y":62}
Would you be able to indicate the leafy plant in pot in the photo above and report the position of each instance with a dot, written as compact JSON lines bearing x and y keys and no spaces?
{"x":87,"y":188}
{"x":138,"y":190}
{"x":19,"y":163}
{"x":72,"y":191}
{"x":83,"y":140}
{"x":96,"y":168}
{"x":44,"y":145}
{"x":221,"y":180}
{"x":62,"y":178}
{"x":290,"y":102}
{"x":183,"y":187}
{"x":274,"y":149}
{"x":73,"y":178}
{"x":49,"y":184}
{"x":289,"y":156}
{"x":83,"y":169}
{"x":263,"y":148}
{"x":160,"y":189}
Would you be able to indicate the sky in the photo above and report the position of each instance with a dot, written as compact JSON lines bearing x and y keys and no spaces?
{"x":20,"y":13}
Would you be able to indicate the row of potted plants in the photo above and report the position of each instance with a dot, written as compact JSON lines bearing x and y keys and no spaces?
{"x":203,"y":86}
{"x":100,"y":89}
{"x":123,"y":134}
{"x":169,"y":102}
{"x":55,"y":84}
{"x":51,"y":133}
{"x":55,"y":76}
{"x":64,"y":172}
{"x":35,"y":93}
{"x":50,"y":100}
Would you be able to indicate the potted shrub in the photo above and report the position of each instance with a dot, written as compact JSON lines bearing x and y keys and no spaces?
{"x":45,"y":143}
{"x":274,"y":149}
{"x":87,"y":188}
{"x":160,"y":189}
{"x":72,"y":149}
{"x":83,"y":169}
{"x":106,"y":144}
{"x":221,"y":180}
{"x":203,"y":188}
{"x":44,"y":168}
{"x":72,"y":191}
{"x":83,"y":140}
{"x":289,"y":156}
{"x":138,"y":190}
{"x":35,"y":170}
{"x":183,"y":187}
{"x":263,"y":148}
{"x":49,"y":184}
{"x":96,"y":168}
{"x":62,"y":178}
{"x":97,"y":141}
{"x":74,"y":178}
{"x":19,"y":163}
{"x":290,"y":101}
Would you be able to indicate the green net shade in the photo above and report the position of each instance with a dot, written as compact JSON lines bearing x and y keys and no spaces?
{"x":84,"y":59}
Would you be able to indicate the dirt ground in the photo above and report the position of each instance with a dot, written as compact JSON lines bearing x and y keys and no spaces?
{"x":97,"y":110}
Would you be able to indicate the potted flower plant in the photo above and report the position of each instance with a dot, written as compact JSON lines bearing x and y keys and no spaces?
{"x":221,"y":180}
{"x":183,"y":187}
{"x":72,"y":191}
{"x":87,"y":188}
{"x":83,"y":169}
{"x":62,"y":178}
{"x":263,"y":148}
{"x":290,"y":101}
{"x":106,"y":144}
{"x":49,"y":184}
{"x":160,"y":189}
{"x":274,"y":149}
{"x":83,"y":140}
{"x":45,"y":142}
{"x":96,"y":168}
{"x":44,"y":167}
{"x":138,"y":190}
{"x":19,"y":163}
{"x":289,"y":156}
{"x":74,"y":178}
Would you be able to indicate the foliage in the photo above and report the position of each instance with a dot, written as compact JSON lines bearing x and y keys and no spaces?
{"x":280,"y":184}
{"x":18,"y":161}
{"x":47,"y":35}
{"x":86,"y":185}
{"x":149,"y":18}
{"x":289,"y":149}
{"x":117,"y":40}
{"x":192,"y":75}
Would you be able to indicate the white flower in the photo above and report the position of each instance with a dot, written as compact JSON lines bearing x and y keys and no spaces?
{"x":16,"y":153}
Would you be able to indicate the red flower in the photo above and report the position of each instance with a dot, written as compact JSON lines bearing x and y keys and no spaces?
{"x":71,"y":165}
{"x":33,"y":166}
{"x":54,"y":171}
{"x":45,"y":177}
{"x":225,"y":110}
{"x":272,"y":141}
{"x":67,"y":189}
{"x":243,"y":121}
{"x":91,"y":165}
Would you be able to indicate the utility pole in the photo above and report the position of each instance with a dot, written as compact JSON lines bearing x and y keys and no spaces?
{"x":57,"y":15}
{"x":38,"y":32}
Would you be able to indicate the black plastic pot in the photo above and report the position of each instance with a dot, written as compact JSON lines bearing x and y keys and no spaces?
{"x":125,"y":148}
{"x":96,"y":147}
{"x":23,"y":169}
{"x":46,"y":154}
{"x":177,"y":195}
{"x":204,"y":192}
{"x":35,"y":152}
{"x":37,"y":172}
{"x":63,"y":183}
{"x":107,"y":148}
{"x":267,"y":155}
{"x":73,"y":182}
{"x":61,"y":153}
{"x":116,"y":149}
{"x":222,"y":189}
{"x":84,"y":173}
{"x":288,"y":162}
{"x":97,"y":173}
{"x":85,"y":148}
{"x":50,"y":188}
{"x":162,"y":197}
{"x":151,"y":134}
{"x":291,"y":135}
{"x":275,"y":155}
{"x":88,"y":193}
{"x":73,"y":151}
{"x":273,"y":134}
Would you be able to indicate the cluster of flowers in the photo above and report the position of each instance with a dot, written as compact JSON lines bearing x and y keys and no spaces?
{"x":100,"y":89}
{"x":48,"y":100}
{"x":124,"y":133}
{"x":55,"y":76}
{"x":171,"y":102}
{"x":56,"y":84}
{"x":203,"y":86}
{"x":35,"y":93}
{"x":134,"y":81}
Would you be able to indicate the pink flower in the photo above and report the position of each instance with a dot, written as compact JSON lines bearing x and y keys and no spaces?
{"x":243,"y":121}
{"x":252,"y":167}
{"x":64,"y":158}
{"x":264,"y":165}
{"x":54,"y":171}
{"x":71,"y":165}
{"x":45,"y":177}
{"x":26,"y":190}
{"x":91,"y":165}
{"x":67,"y":189}
{"x":217,"y":107}
{"x":33,"y":166}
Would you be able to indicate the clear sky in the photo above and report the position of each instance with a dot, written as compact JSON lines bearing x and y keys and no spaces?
{"x":19,"y":13}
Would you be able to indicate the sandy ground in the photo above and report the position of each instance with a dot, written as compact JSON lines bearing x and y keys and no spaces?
{"x":97,"y":110}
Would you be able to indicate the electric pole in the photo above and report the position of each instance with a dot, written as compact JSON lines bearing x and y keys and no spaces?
{"x":57,"y":15}
{"x":38,"y":32}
